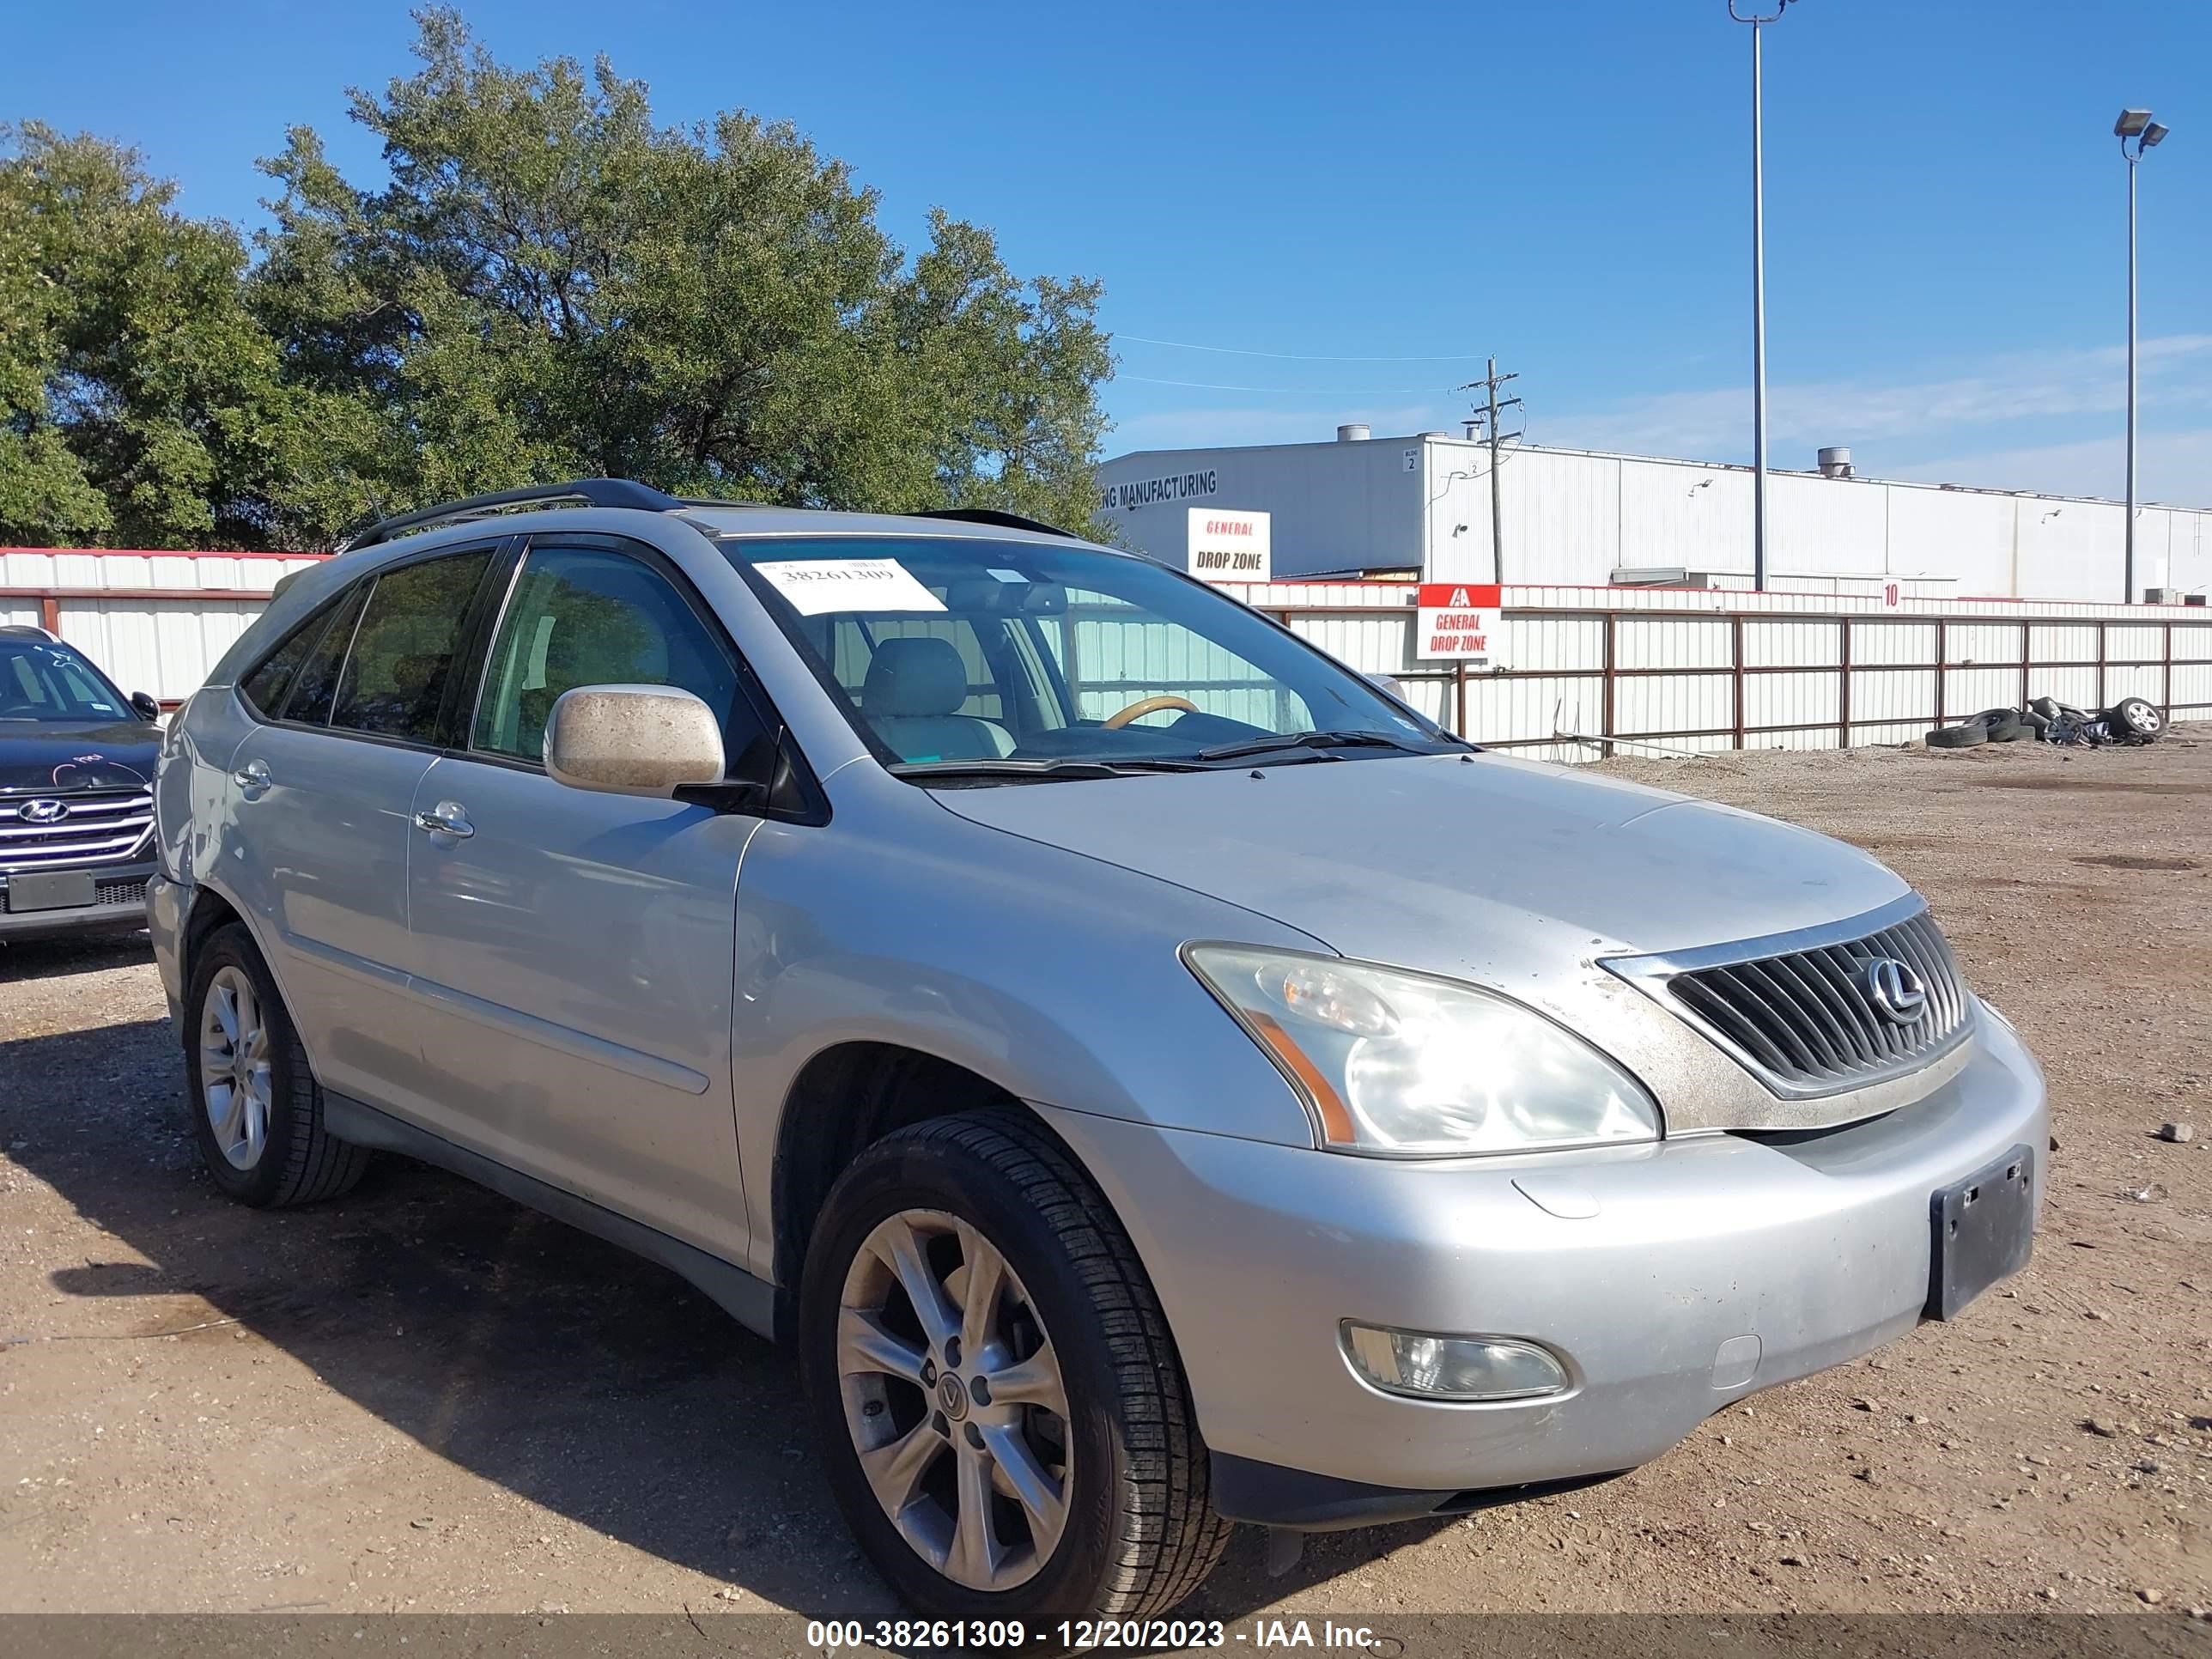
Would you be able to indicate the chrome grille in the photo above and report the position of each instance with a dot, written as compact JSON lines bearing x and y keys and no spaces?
{"x":1805,"y":1018}
{"x":100,"y":826}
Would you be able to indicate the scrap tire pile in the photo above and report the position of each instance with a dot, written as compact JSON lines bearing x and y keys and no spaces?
{"x":2130,"y":721}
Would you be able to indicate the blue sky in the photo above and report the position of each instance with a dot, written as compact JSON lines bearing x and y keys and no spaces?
{"x":1561,"y":182}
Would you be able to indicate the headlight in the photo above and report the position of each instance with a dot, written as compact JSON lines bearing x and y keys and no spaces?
{"x":1400,"y":1064}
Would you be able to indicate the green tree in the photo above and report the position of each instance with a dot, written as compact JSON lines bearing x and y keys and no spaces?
{"x":553,"y":285}
{"x":140,"y":402}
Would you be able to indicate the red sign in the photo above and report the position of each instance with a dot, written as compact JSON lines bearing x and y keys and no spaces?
{"x":1456,"y":620}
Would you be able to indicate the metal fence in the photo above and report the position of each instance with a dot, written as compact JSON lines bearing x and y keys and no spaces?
{"x":1690,"y":668}
{"x":1700,"y":670}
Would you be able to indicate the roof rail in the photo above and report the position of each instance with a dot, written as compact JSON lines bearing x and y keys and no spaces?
{"x":597,"y":492}
{"x":990,"y":515}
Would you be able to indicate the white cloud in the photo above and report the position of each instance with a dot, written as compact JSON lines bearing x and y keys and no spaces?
{"x":1963,"y":428}
{"x":2056,"y":384}
{"x":2173,"y":467}
{"x":1208,"y":428}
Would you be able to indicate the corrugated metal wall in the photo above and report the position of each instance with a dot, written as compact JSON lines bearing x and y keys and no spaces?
{"x":1574,"y":516}
{"x":156,"y":621}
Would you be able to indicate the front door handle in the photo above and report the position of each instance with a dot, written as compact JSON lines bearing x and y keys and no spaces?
{"x":447,"y":818}
{"x":253,"y":777}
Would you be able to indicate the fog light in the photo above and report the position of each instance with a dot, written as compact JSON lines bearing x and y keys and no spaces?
{"x":1430,"y":1367}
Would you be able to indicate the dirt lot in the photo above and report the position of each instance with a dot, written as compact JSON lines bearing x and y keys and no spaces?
{"x":424,"y":1398}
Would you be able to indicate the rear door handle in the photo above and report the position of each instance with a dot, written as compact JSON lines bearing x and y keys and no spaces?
{"x":253,"y":777}
{"x":447,"y":818}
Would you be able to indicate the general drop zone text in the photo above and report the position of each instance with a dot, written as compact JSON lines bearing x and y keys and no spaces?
{"x":1459,"y":634}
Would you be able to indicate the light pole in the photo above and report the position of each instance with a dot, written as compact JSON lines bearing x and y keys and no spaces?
{"x":2134,"y":124}
{"x":1758,"y":22}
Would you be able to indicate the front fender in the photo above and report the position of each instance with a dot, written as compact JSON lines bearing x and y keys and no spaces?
{"x":1051,"y":974}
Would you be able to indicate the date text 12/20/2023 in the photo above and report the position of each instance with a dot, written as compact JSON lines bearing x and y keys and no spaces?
{"x":1166,"y":1635}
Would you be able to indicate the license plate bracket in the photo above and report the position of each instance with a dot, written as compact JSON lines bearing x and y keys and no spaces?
{"x":1982,"y":1229}
{"x":57,"y":889}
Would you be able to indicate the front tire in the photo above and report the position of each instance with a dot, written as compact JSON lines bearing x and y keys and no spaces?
{"x":256,"y":1108}
{"x":999,"y":1400}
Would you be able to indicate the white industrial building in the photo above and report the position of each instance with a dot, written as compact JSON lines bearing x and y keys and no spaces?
{"x":1576,"y":517}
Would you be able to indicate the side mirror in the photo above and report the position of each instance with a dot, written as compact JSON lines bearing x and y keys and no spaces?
{"x":146,"y":707}
{"x":651,"y":740}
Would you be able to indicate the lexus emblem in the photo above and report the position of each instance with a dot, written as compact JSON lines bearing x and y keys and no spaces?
{"x":1895,"y":990}
{"x":43,"y":811}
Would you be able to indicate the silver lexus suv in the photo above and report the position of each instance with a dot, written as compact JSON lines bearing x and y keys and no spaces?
{"x":1156,"y":1077}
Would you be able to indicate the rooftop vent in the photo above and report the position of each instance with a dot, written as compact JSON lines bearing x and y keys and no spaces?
{"x":1835,"y":462}
{"x":1353,"y":432}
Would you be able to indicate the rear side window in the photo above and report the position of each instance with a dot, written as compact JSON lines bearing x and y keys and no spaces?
{"x":395,"y":678}
{"x":317,"y":681}
{"x":266,"y":686}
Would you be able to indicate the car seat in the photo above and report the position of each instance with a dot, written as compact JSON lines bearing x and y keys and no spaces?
{"x":913,"y":690}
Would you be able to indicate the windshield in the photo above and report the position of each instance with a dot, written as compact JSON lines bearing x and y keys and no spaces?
{"x":970,"y":658}
{"x":42,"y":681}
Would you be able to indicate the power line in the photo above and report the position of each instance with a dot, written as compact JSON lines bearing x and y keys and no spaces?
{"x":1300,"y":356}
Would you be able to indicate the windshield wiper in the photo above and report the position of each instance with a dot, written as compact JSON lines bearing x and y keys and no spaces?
{"x":1037,"y":771}
{"x":1308,"y":740}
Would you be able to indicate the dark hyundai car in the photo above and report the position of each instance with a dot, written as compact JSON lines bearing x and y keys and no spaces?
{"x":76,"y":812}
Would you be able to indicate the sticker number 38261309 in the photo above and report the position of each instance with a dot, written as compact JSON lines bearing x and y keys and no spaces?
{"x":816,"y":586}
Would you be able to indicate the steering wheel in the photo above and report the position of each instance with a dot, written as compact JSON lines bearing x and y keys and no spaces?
{"x":1144,"y":706}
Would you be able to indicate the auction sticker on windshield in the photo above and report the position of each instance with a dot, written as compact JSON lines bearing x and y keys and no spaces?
{"x":816,"y":586}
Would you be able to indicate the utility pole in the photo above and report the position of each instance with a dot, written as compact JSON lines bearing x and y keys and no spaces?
{"x":1490,"y":383}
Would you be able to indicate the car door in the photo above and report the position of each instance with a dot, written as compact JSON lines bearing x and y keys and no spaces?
{"x":573,"y":952}
{"x":321,"y":791}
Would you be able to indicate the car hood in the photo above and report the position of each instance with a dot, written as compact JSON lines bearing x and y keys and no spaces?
{"x":57,"y":757}
{"x":1472,"y":867}
{"x":1504,"y":873}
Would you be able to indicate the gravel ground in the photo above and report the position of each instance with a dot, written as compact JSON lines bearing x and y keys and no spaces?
{"x":423,"y":1397}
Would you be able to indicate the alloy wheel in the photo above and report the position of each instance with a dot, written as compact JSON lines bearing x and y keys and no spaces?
{"x":954,"y":1399}
{"x":235,"y":1078}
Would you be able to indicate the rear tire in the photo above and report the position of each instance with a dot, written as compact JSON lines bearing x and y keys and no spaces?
{"x":2003,"y":724}
{"x":256,"y":1110}
{"x":1125,"y":1527}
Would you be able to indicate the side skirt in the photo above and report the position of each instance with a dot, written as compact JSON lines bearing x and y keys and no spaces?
{"x":749,"y":1301}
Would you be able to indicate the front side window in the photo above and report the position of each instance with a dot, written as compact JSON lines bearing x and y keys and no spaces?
{"x":40,"y":680}
{"x":585,"y":617}
{"x":394,"y":680}
{"x":1002,"y":658}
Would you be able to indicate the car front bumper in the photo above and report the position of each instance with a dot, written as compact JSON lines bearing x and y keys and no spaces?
{"x":1673,"y":1278}
{"x":119,"y":905}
